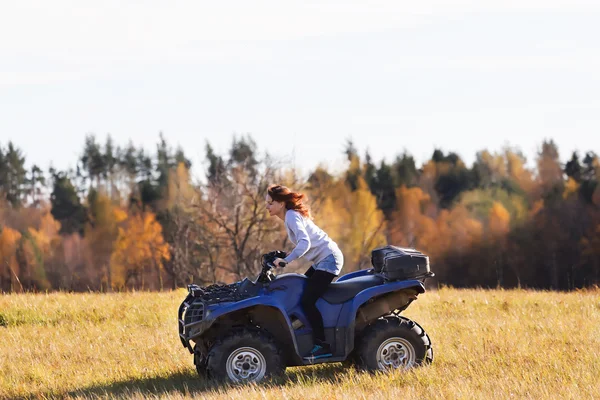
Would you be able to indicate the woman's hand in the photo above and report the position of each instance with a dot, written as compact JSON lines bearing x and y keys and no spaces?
{"x":279,"y":260}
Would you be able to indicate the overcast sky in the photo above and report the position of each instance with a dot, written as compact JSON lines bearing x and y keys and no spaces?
{"x":300,"y":76}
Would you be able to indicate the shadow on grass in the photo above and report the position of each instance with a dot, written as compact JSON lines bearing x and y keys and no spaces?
{"x":188,"y":383}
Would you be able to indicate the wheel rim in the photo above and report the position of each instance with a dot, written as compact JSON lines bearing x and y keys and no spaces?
{"x":395,"y":353}
{"x":246,"y":364}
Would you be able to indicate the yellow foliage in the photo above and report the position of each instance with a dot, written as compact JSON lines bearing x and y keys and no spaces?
{"x":180,"y":190}
{"x":9,"y":240}
{"x":41,"y":240}
{"x":331,"y":219}
{"x":33,"y":252}
{"x":139,"y":244}
{"x":100,"y":236}
{"x":537,"y":207}
{"x":570,"y":187}
{"x":120,"y":215}
{"x":518,"y":172}
{"x":434,"y":235}
{"x":410,"y":225}
{"x":353,"y":221}
{"x":499,"y":220}
{"x":49,"y":226}
{"x":44,"y":236}
{"x":464,"y":230}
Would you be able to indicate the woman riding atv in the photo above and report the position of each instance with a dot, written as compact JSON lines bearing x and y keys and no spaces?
{"x":313,"y":244}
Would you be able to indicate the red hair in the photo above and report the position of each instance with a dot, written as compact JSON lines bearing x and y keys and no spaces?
{"x":293,"y":200}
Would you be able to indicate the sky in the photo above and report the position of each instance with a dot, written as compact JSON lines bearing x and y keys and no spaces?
{"x":301,"y":77}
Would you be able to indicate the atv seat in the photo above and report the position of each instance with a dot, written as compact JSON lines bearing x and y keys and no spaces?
{"x":340,"y":292}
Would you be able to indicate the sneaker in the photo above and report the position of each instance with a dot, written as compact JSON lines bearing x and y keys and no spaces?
{"x":319,"y":351}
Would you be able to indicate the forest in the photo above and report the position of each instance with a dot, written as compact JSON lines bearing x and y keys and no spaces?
{"x":124,"y":218}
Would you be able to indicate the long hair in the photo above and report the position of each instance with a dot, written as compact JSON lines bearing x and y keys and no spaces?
{"x":293,"y":200}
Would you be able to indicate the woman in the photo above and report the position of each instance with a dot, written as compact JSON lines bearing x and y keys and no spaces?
{"x":314,"y":244}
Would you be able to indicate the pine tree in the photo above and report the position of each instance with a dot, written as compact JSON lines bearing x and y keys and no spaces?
{"x":66,"y":205}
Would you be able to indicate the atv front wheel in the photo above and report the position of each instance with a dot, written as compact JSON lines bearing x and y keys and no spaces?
{"x":394,"y":343}
{"x":200,"y":361}
{"x":244,"y":356}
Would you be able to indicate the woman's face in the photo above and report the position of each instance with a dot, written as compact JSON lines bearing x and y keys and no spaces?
{"x":274,"y":207}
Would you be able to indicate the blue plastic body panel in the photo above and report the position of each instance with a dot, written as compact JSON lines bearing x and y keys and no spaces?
{"x":355,"y":274}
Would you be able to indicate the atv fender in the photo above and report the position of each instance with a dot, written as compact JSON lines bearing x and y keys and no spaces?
{"x":389,"y":287}
{"x":394,"y":291}
{"x":246,"y":304}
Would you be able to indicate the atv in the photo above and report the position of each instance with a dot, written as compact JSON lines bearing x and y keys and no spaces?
{"x":254,"y":329}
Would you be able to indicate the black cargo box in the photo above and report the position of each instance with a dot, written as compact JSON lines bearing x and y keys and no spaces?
{"x":398,"y":263}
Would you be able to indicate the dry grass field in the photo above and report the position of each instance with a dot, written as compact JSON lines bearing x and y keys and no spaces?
{"x":488,"y":344}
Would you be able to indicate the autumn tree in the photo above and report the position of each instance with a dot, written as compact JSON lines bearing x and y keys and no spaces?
{"x":234,"y":207}
{"x":184,"y":233}
{"x":518,"y":174}
{"x":125,"y":217}
{"x":413,"y":224}
{"x":101,"y":233}
{"x":550,"y":174}
{"x":9,"y":267}
{"x":353,"y":220}
{"x":498,"y":229}
{"x":139,"y":254}
{"x":33,"y":253}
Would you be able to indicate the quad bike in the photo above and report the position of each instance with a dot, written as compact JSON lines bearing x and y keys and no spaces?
{"x":254,"y":329}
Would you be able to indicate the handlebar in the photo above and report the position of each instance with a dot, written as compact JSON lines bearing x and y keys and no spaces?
{"x":269,"y":258}
{"x":267,"y":263}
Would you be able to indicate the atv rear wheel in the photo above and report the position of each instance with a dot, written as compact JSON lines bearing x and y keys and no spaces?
{"x":244,"y":356}
{"x":394,"y":343}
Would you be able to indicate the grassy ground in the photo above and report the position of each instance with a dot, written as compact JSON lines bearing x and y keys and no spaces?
{"x":487,"y":344}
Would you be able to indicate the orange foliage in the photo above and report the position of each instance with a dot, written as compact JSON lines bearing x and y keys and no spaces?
{"x":139,"y":245}
{"x":499,"y":220}
{"x":435,"y":235}
{"x":571,"y":187}
{"x":517,"y":172}
{"x":9,"y":267}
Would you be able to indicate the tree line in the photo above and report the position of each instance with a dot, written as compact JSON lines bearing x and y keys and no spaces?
{"x":124,"y":218}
